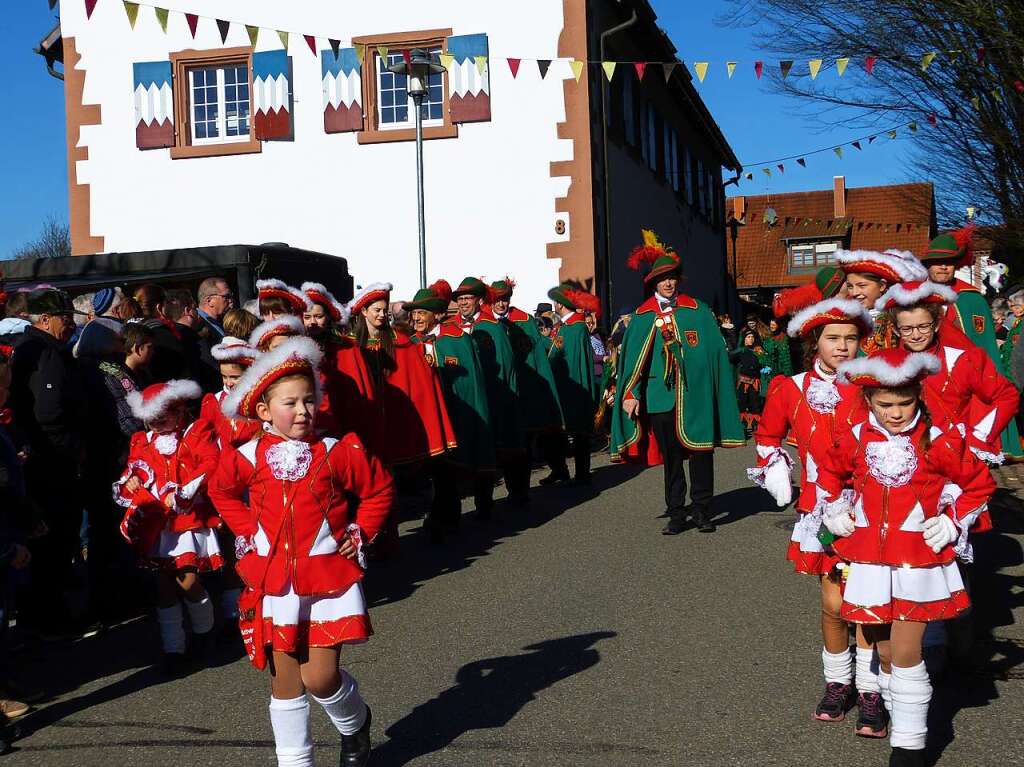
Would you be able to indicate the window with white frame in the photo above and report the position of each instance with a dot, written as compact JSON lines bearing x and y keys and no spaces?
{"x":812,"y":255}
{"x":220,"y":103}
{"x":395,"y":105}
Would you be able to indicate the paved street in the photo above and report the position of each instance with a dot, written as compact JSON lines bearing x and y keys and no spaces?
{"x":572,"y":634}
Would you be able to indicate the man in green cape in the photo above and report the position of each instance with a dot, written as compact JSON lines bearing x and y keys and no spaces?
{"x":499,"y":367}
{"x":971,"y":313}
{"x":452,"y":353}
{"x":540,"y":410}
{"x":675,"y":384}
{"x":572,"y":362}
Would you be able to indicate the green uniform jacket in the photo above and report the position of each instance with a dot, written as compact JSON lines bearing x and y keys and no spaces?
{"x":540,"y":408}
{"x":972,"y":315}
{"x":572,"y":362}
{"x":703,"y":386}
{"x":499,"y":367}
{"x":453,"y":354}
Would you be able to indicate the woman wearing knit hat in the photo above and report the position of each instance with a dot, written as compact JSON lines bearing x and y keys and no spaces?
{"x":302,"y":507}
{"x":168,"y":517}
{"x":900,"y":531}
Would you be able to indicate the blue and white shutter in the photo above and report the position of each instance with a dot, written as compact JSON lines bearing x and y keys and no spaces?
{"x":271,"y":95}
{"x":469,"y":82}
{"x":343,"y":90}
{"x":154,"y":104}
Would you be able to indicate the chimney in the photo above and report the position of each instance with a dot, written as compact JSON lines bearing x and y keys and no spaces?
{"x":839,"y":196}
{"x":739,"y":207}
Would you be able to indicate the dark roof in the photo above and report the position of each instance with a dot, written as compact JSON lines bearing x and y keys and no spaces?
{"x":877,"y":218}
{"x":51,"y":48}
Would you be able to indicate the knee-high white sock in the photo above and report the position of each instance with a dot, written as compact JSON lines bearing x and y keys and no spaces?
{"x":884,"y":681}
{"x":201,"y":615}
{"x":867,"y":670}
{"x":838,"y":666}
{"x":172,"y":632}
{"x":229,"y":603}
{"x":345,"y":708}
{"x":292,"y":741}
{"x":911,"y":693}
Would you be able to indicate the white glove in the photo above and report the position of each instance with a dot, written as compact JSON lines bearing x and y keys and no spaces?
{"x":778,"y":484}
{"x":939,"y":532}
{"x":840,"y":525}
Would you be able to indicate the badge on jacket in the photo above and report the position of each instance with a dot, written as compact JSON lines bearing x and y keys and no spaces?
{"x":979,"y":323}
{"x":692,"y":338}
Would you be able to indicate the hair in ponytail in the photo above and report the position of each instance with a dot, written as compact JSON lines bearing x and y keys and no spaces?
{"x":926,"y":417}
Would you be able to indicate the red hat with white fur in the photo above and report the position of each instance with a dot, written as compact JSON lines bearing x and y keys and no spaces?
{"x":889,"y":368}
{"x":318,"y":294}
{"x":234,"y":350}
{"x":277,"y":289}
{"x":153,"y":401}
{"x":834,"y":311}
{"x":892,"y":266}
{"x":296,"y":356}
{"x":378,"y":291}
{"x":908,"y":294}
{"x":281,"y":326}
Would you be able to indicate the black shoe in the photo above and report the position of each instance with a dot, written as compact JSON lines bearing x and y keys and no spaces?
{"x":173,"y":665}
{"x":838,"y":699}
{"x":703,"y":522}
{"x":904,"y":757}
{"x":555,"y":477}
{"x":675,"y":526}
{"x":355,"y":748}
{"x":872,"y":719}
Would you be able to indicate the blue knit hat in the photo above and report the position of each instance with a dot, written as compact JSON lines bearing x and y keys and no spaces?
{"x":102,"y":301}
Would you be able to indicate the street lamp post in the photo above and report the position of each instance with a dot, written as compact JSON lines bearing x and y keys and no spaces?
{"x":418,"y":66}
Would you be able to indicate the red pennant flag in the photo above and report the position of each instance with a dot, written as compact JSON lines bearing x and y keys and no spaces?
{"x":758,"y":68}
{"x":981,"y":55}
{"x":869,"y":64}
{"x":513,"y":65}
{"x":640,"y":67}
{"x":1018,"y":86}
{"x":224,"y":27}
{"x":781,"y":167}
{"x":856,"y":145}
{"x":542,"y":66}
{"x":193,"y":22}
{"x":802,"y":162}
{"x":90,"y":6}
{"x":407,"y":56}
{"x":933,"y":119}
{"x":311,"y":42}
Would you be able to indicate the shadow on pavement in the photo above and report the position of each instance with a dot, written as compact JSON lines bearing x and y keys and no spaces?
{"x":986,"y":657}
{"x":740,"y":504}
{"x":487,"y":694}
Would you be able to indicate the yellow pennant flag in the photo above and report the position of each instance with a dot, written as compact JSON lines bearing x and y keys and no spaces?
{"x":913,"y":127}
{"x":839,"y":151}
{"x":361,"y":54}
{"x":132,"y":9}
{"x":254,"y":34}
{"x":927,"y":59}
{"x":841,"y":65}
{"x":701,"y":68}
{"x":731,"y":67}
{"x":161,"y":18}
{"x":382,"y":51}
{"x":892,"y":134}
{"x":609,"y":69}
{"x":767,"y":172}
{"x":577,"y":68}
{"x":284,"y":38}
{"x":481,"y":64}
{"x":815,"y":66}
{"x":447,"y":60}
{"x":976,"y":103}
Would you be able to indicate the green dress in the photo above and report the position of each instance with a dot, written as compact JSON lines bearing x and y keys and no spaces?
{"x":538,"y":393}
{"x":499,"y":368}
{"x":453,"y":354}
{"x":697,"y":382}
{"x":779,"y":358}
{"x":572,"y":362}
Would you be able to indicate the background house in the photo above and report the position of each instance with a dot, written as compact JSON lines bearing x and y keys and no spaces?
{"x":189,"y":131}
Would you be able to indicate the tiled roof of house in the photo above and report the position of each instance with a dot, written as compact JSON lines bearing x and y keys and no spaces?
{"x":877,"y":218}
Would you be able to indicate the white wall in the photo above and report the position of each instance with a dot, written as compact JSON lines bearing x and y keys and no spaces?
{"x":490,"y":202}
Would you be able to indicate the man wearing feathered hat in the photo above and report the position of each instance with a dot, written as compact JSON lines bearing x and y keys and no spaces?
{"x":675,"y":384}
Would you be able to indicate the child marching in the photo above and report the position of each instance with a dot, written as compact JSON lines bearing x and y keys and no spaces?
{"x":312,"y":504}
{"x":901,"y":531}
{"x":169,"y":518}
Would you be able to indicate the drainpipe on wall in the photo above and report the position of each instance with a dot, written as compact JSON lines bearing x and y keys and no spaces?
{"x":607,"y":182}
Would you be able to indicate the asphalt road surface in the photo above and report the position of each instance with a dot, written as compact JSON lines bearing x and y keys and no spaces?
{"x":569,"y":634}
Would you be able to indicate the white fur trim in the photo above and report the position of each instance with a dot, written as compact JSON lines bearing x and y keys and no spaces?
{"x":279,"y":285}
{"x":886,"y":374}
{"x":900,"y":296}
{"x":233,"y":349}
{"x":364,"y":292}
{"x":903,"y":262}
{"x":850,"y":308}
{"x":302,"y":347}
{"x":290,"y":322}
{"x":316,"y":287}
{"x":173,"y":391}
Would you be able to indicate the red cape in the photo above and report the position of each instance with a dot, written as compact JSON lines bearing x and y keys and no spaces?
{"x":347,"y":405}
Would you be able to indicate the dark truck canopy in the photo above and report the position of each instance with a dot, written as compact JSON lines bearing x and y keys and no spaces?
{"x":240,"y":265}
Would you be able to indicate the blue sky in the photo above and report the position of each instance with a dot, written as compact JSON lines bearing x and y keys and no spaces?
{"x":759,"y":124}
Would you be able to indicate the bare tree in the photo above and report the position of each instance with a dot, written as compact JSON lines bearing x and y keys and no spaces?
{"x":54,"y":241}
{"x":968,"y":100}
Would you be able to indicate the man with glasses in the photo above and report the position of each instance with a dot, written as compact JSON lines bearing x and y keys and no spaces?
{"x":214,"y":299}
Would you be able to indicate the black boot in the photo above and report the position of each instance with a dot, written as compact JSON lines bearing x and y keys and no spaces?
{"x":702,"y":519}
{"x":676,"y":524}
{"x":355,"y":748}
{"x":904,"y":757}
{"x":556,"y":476}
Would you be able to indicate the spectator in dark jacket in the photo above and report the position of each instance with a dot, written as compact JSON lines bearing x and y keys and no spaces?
{"x":176,"y":351}
{"x":47,"y":403}
{"x":181,"y":309}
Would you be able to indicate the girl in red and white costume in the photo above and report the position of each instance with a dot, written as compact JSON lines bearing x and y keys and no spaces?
{"x":868,"y":275}
{"x":234,"y":356}
{"x":899,"y":531}
{"x":812,"y":411}
{"x":169,"y":518}
{"x":300,"y":547}
{"x":272,"y":333}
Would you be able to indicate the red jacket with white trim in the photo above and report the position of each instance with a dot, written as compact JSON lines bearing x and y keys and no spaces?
{"x":231,"y":432}
{"x":296,"y":525}
{"x":897,"y":485}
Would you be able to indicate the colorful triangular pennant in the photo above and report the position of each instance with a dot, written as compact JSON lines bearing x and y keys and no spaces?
{"x":767,"y":172}
{"x":784,"y":67}
{"x":193,"y":23}
{"x":254,"y":34}
{"x":913,"y":127}
{"x":361,"y":54}
{"x":871,"y":139}
{"x":801,"y":162}
{"x":335,"y":46}
{"x":841,"y":65}
{"x":758,"y":69}
{"x":927,"y":59}
{"x":730,"y":67}
{"x":749,"y":177}
{"x":640,"y":67}
{"x":856,"y":145}
{"x":542,"y":67}
{"x":976,"y":103}
{"x":609,"y":69}
{"x":481,"y":64}
{"x":577,"y":68}
{"x":933,"y":119}
{"x":892,"y":134}
{"x":668,"y":69}
{"x":513,"y":65}
{"x":311,"y":42}
{"x":981,"y":55}
{"x":781,"y":167}
{"x":839,"y":151}
{"x":701,"y":68}
{"x":815,"y":66}
{"x":953,"y":55}
{"x":869,"y":64}
{"x":223,"y":27}
{"x":446,"y":60}
{"x":90,"y":6}
{"x":283,"y":36}
{"x":382,"y":51}
{"x":132,"y":9}
{"x":161,"y":17}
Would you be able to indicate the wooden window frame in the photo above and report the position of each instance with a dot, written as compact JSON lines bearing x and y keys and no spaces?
{"x":814,"y":243}
{"x":181,"y":62}
{"x":371,"y":132}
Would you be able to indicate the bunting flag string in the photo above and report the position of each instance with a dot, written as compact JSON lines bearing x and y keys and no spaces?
{"x":161,"y":18}
{"x":223,"y":27}
{"x":193,"y":23}
{"x":730,"y":67}
{"x":132,"y":9}
{"x":254,"y":34}
{"x":513,"y":65}
{"x":640,"y":67}
{"x":542,"y":66}
{"x":577,"y":68}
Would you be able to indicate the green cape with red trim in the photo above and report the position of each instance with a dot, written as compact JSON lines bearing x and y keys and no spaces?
{"x":572,"y":362}
{"x":538,"y":394}
{"x":707,"y":415}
